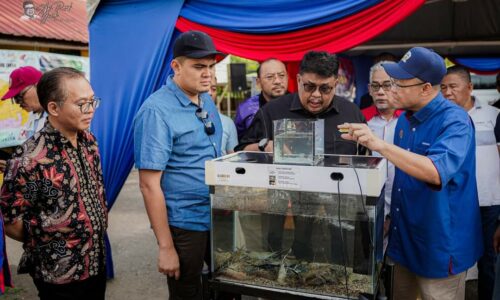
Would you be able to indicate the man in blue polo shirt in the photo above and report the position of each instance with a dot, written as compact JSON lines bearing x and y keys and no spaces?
{"x":435,"y":233}
{"x":176,"y":130}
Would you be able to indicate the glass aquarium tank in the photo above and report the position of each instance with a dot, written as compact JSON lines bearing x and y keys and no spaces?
{"x":298,"y":141}
{"x":309,"y":231}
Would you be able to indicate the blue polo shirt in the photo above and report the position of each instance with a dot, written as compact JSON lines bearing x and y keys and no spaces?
{"x":436,"y":231}
{"x":169,"y":137}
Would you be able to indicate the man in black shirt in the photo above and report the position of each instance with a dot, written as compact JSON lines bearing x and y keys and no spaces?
{"x":314,"y":100}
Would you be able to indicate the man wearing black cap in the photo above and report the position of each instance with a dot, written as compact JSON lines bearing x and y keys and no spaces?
{"x":435,"y":233}
{"x":176,"y":130}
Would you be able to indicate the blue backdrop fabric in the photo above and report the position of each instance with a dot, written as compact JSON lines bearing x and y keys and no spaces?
{"x":362,"y":65}
{"x":129,"y":58}
{"x":261,"y":17}
{"x":482,"y":64}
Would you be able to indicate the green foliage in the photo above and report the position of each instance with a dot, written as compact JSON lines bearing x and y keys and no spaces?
{"x":252,"y":65}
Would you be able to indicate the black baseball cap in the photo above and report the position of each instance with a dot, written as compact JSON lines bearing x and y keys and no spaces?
{"x":195,"y":44}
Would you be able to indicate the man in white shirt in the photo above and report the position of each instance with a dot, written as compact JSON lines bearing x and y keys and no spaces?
{"x":382,"y":119}
{"x":22,"y":90}
{"x":457,"y":87}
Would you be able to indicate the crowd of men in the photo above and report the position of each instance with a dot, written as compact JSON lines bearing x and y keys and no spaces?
{"x":442,"y":195}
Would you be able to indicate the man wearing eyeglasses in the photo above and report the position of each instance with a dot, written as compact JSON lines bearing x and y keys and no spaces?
{"x":315,"y":99}
{"x":272,"y":78}
{"x":176,"y":130}
{"x":382,"y":118}
{"x":22,"y":90}
{"x":435,"y":232}
{"x":52,"y":197}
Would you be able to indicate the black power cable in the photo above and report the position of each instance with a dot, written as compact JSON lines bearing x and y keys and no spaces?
{"x":344,"y":258}
{"x":379,"y":275}
{"x":365,"y":211}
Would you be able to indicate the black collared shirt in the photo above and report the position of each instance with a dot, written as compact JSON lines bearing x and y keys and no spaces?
{"x":289,"y":107}
{"x":262,"y":100}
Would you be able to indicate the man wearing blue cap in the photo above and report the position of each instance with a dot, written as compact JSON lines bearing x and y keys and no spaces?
{"x":435,"y":233}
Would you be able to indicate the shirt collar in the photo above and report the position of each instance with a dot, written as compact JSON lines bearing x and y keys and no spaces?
{"x":477,"y":104}
{"x":179,"y":94}
{"x":262,"y":100}
{"x":39,"y":115}
{"x":57,"y":137}
{"x":297,"y":106}
{"x":395,"y":115}
{"x":426,"y":111}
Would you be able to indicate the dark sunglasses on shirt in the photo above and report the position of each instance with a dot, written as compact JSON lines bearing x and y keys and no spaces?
{"x":209,"y":125}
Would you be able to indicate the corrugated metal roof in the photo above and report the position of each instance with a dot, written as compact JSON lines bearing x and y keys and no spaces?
{"x":60,"y":20}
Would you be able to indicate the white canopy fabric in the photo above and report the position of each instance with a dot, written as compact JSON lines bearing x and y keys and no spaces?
{"x":91,"y":7}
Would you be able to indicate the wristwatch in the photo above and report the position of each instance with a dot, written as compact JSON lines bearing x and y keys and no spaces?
{"x":262,"y":144}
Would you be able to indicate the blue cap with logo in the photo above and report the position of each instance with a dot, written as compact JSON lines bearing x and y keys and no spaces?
{"x":418,"y":62}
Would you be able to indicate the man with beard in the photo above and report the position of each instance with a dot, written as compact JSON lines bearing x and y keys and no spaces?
{"x":272,"y":79}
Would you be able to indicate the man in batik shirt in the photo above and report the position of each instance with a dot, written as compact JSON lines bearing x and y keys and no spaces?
{"x":52,"y":198}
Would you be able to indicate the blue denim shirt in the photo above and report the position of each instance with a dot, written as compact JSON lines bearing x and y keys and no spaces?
{"x":169,"y":137}
{"x":436,"y":231}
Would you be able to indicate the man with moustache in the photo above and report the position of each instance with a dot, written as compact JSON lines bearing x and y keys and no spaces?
{"x":435,"y":232}
{"x":382,"y":119}
{"x":314,"y":100}
{"x":272,"y":78}
{"x":457,"y":87}
{"x":176,"y":130}
{"x":52,"y":196}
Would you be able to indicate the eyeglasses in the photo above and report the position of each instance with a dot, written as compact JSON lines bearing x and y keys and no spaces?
{"x":85,"y":107}
{"x":324,"y":89}
{"x":375,"y":86}
{"x":209,"y":125}
{"x":19,"y":98}
{"x":271,"y":77}
{"x":395,"y":85}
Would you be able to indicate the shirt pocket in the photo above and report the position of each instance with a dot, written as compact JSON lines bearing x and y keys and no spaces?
{"x":422,"y":148}
{"x":187,"y":135}
{"x":485,"y":134}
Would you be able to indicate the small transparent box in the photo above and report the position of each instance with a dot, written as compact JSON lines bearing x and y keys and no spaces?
{"x":299,"y":142}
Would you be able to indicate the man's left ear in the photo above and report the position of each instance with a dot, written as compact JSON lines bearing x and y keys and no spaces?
{"x":53,"y":108}
{"x":175,"y":65}
{"x":428,"y":89}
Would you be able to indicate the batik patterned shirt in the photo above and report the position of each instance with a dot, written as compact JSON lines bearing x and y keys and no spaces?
{"x":57,"y":191}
